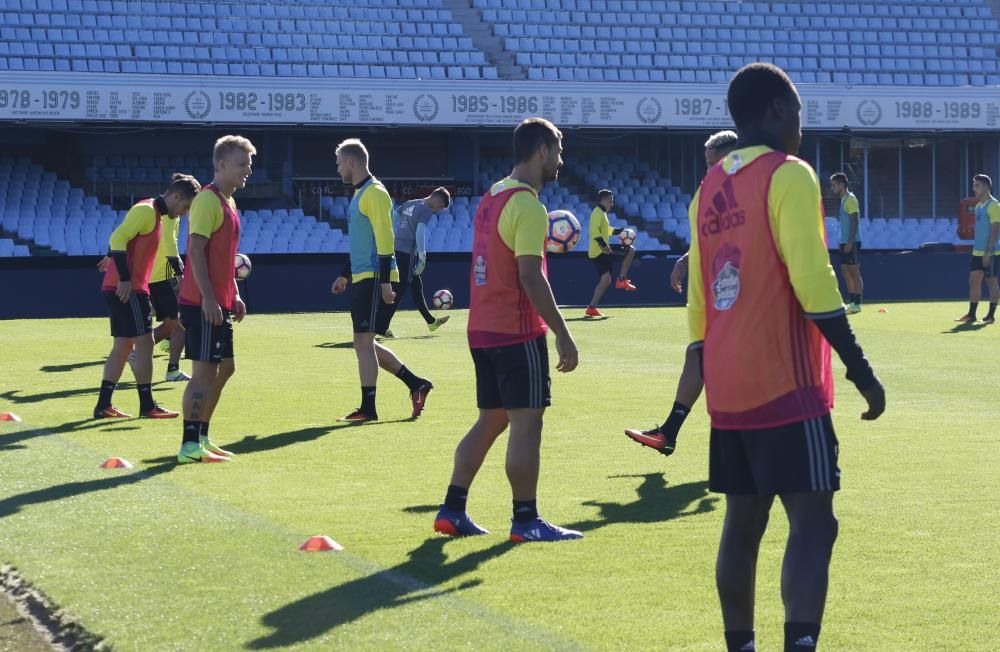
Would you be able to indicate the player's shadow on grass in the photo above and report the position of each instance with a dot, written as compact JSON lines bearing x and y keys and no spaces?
{"x":8,"y":440}
{"x":60,"y":368}
{"x":603,"y":318}
{"x":657,"y":501}
{"x":411,"y":581}
{"x":964,"y":328}
{"x":15,"y":396}
{"x":14,"y":504}
{"x":350,"y":345}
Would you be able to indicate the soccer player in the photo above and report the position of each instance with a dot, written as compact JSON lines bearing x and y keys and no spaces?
{"x":209,"y":297}
{"x":664,"y":437}
{"x":764,"y":308}
{"x":850,"y":241}
{"x":511,"y":304}
{"x":163,"y":287}
{"x":133,"y":246}
{"x":601,"y":252}
{"x":411,"y":248}
{"x":371,"y":267}
{"x":987,"y":245}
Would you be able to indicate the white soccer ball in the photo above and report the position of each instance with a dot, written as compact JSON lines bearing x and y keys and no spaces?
{"x":564,"y":232}
{"x":242,"y":266}
{"x":443,"y":300}
{"x":627,"y":236}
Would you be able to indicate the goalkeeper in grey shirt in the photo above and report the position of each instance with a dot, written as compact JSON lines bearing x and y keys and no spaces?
{"x":411,"y":248}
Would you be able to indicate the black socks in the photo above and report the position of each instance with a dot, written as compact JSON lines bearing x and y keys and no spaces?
{"x":973,"y":307}
{"x":740,"y":641}
{"x":993,"y":309}
{"x":413,"y":382}
{"x":525,"y":511}
{"x":107,"y":389}
{"x":672,"y":426}
{"x":368,"y":400}
{"x":172,"y":367}
{"x":801,"y":637}
{"x":146,"y":402}
{"x":856,"y":299}
{"x":191,"y":431}
{"x":456,"y":498}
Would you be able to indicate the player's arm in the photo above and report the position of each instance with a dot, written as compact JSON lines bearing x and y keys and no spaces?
{"x":854,"y":213}
{"x":526,"y":232}
{"x":421,"y":242}
{"x":598,"y":228}
{"x":678,"y":273}
{"x":140,"y":219}
{"x":170,"y":248}
{"x":696,"y":284}
{"x":994,"y":213}
{"x":376,"y":205}
{"x":797,"y":220}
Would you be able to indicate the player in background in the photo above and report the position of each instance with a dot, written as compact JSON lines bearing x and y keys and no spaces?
{"x":371,"y":267}
{"x":984,"y":250}
{"x":132,"y":253}
{"x":664,"y":437}
{"x":764,"y":308}
{"x":602,"y":252}
{"x":411,"y":248}
{"x":511,"y":304}
{"x":850,"y":241}
{"x":209,"y":297}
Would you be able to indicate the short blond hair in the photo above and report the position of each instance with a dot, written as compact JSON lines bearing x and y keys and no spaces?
{"x":724,"y":140}
{"x":354,"y":148}
{"x":229,"y":144}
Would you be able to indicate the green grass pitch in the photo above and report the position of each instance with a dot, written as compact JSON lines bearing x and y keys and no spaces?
{"x":205,"y":557}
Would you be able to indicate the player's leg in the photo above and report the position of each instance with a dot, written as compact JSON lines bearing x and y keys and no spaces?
{"x":164,"y":330}
{"x":418,"y":386}
{"x":736,"y":565}
{"x":623,"y":282}
{"x":603,"y":264}
{"x":994,"y":288}
{"x":805,"y":570}
{"x":142,"y":368}
{"x":112,"y":373}
{"x":452,"y":518}
{"x":200,"y":347}
{"x":975,"y":292}
{"x":664,"y":437}
{"x":177,"y":338}
{"x":523,"y":370}
{"x":420,"y":301}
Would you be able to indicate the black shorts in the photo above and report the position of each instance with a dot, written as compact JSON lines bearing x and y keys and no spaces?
{"x":204,"y":342}
{"x":163,"y":296}
{"x":604,"y":262}
{"x":795,"y":458}
{"x":513,"y":377}
{"x":976,"y":265}
{"x":368,"y":312}
{"x":130,"y":319}
{"x":850,"y":258}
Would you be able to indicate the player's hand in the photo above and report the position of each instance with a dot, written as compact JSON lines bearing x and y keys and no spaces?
{"x":124,"y":291}
{"x":102,"y":264}
{"x":848,"y":247}
{"x":213,"y":311}
{"x":875,"y":396}
{"x":606,"y":249}
{"x":388,"y":296}
{"x":678,"y":274}
{"x":418,"y":269}
{"x":568,"y":355}
{"x":239,"y":309}
{"x":340,"y":285}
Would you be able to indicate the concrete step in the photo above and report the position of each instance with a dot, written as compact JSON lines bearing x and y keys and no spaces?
{"x":481,"y":33}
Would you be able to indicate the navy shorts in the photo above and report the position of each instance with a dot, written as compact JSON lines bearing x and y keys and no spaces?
{"x":795,"y":458}
{"x":204,"y":342}
{"x":132,"y":318}
{"x":163,"y":296}
{"x":369,"y":313}
{"x":852,"y":258}
{"x":513,"y":377}
{"x":976,"y":265}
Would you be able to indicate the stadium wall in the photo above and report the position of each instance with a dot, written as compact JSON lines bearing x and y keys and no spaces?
{"x":62,"y":287}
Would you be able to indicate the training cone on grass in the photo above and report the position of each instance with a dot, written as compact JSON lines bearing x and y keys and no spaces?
{"x":883,"y":310}
{"x":9,"y":416}
{"x":116,"y":463}
{"x":320,"y":543}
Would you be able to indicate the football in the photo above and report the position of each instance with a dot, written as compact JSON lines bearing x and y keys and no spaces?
{"x":242,"y":266}
{"x":627,"y":237}
{"x":443,"y":300}
{"x":564,"y":232}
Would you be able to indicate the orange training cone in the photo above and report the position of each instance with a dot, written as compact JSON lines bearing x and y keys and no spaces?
{"x":116,"y":463}
{"x":9,"y":416}
{"x":320,"y":543}
{"x":883,"y":310}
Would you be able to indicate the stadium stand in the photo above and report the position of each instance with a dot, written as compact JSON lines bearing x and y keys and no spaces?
{"x":918,"y":43}
{"x":149,"y":169}
{"x":405,"y":39}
